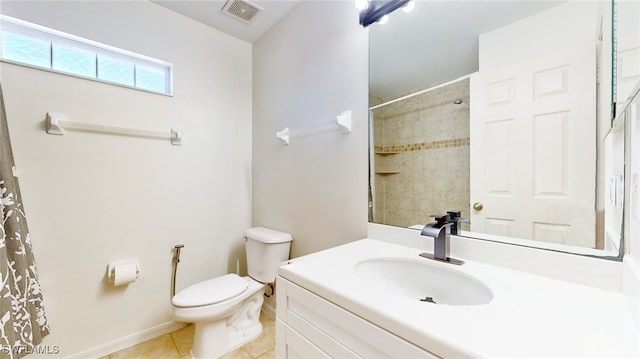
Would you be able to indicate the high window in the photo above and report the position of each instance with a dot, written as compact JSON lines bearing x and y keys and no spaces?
{"x":36,"y":46}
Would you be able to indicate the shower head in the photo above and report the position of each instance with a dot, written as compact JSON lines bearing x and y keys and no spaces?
{"x":461,"y":101}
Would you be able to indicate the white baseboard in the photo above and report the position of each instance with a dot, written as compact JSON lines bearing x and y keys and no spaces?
{"x":128,"y":341}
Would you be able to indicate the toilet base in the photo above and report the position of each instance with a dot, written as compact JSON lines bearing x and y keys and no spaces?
{"x":213,"y":339}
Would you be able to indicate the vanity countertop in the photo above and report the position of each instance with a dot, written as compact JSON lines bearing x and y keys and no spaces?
{"x":529,"y":316}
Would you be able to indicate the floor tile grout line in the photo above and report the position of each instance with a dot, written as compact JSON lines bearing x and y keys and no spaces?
{"x":175,"y":345}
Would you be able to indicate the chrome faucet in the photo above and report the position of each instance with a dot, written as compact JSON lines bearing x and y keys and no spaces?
{"x":440,"y":233}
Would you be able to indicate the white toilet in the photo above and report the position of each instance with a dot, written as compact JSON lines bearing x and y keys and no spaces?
{"x":226,"y":309}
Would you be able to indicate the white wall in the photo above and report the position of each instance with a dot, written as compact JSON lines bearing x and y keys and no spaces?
{"x":526,"y":38}
{"x":628,"y":83}
{"x":307,"y":70}
{"x":93,"y":198}
{"x":628,"y":46}
{"x":631,"y":284}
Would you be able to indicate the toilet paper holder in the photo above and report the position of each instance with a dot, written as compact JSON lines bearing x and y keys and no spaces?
{"x":128,"y":264}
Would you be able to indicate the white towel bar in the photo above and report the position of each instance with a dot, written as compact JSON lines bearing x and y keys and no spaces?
{"x":56,"y":125}
{"x":342,"y":122}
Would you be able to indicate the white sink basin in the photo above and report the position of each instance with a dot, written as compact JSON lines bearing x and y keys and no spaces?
{"x":421,"y":280}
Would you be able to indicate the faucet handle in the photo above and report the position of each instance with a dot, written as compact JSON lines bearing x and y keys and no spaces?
{"x":454,"y":215}
{"x":441,"y":220}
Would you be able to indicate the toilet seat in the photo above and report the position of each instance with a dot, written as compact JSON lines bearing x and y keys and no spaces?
{"x":210,"y":291}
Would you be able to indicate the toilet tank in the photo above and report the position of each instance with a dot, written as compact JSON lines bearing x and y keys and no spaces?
{"x":266,"y":249}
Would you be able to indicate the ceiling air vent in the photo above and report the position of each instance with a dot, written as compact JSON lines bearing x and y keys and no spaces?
{"x":241,"y":10}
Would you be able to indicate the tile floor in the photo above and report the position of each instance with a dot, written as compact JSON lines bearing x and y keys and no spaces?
{"x":177,"y":344}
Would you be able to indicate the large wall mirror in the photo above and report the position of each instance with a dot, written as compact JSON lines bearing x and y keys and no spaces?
{"x":502,"y":110}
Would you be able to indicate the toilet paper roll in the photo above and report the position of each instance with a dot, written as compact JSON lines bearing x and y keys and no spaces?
{"x":125,"y":273}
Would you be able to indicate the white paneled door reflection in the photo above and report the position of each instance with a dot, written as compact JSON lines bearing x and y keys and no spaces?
{"x":533,"y":148}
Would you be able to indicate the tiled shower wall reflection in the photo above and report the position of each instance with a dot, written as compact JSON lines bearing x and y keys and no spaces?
{"x":422,"y":157}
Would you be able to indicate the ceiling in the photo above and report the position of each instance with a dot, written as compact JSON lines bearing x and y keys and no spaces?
{"x":209,"y":13}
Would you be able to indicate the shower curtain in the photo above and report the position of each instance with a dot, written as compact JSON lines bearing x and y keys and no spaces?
{"x":22,"y":319}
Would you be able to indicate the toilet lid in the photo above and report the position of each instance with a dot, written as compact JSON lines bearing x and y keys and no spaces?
{"x":210,"y":291}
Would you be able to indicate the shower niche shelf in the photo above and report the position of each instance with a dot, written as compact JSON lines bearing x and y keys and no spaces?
{"x":386,"y":153}
{"x":387,"y":172}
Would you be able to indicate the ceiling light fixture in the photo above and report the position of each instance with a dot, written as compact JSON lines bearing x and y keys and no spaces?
{"x":378,"y":9}
{"x":410,"y":5}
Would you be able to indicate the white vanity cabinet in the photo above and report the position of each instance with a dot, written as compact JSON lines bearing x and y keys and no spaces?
{"x":308,"y":326}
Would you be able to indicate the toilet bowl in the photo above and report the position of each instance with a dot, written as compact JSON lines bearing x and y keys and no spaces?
{"x":226,"y":309}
